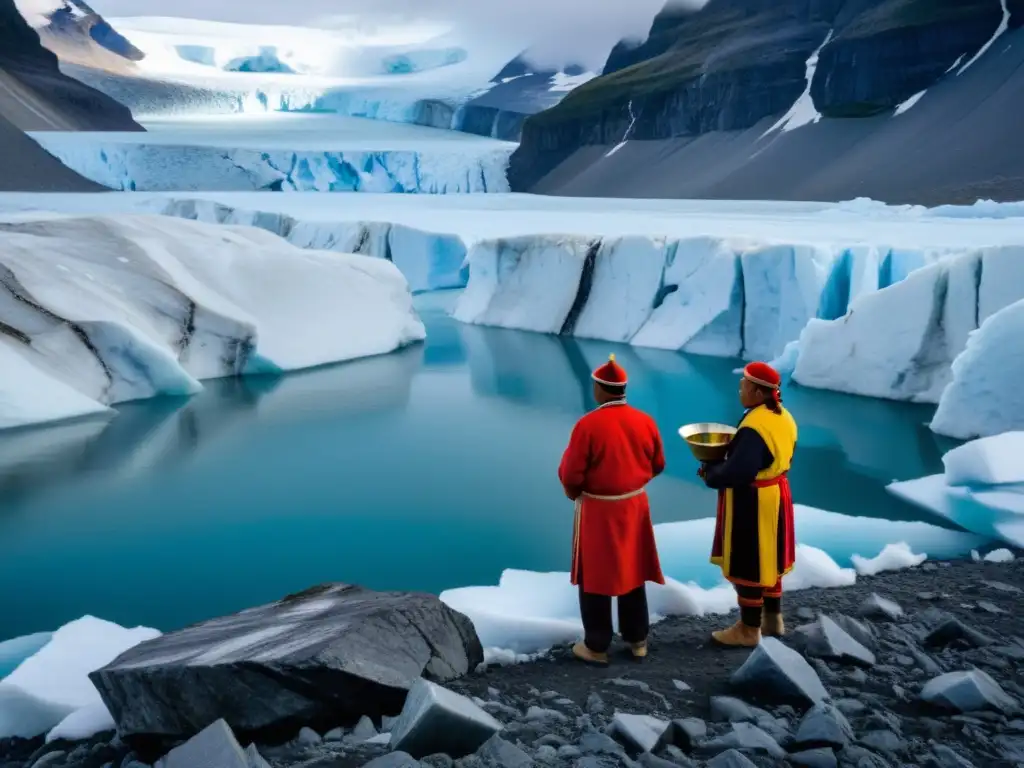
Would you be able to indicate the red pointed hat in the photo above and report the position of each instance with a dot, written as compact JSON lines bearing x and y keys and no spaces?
{"x":611,"y":373}
{"x":763,"y":374}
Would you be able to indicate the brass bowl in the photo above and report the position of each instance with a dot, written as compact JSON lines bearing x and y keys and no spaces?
{"x":707,"y":441}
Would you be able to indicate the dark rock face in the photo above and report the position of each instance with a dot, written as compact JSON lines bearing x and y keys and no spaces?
{"x":76,"y":24}
{"x":735,"y":63}
{"x":326,"y":655}
{"x":35,"y":95}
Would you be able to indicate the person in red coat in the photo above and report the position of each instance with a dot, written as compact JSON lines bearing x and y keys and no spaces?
{"x":613,"y":452}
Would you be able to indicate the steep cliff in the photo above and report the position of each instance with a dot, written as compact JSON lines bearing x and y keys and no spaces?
{"x":36,"y":96}
{"x":725,"y":74}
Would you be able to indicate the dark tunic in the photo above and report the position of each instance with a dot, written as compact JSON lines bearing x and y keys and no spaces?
{"x":754,"y":539}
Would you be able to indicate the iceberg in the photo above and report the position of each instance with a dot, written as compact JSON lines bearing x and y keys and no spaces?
{"x":105,"y":310}
{"x":901,"y":342}
{"x":981,"y":490}
{"x":149,"y":162}
{"x":985,"y":396}
{"x":51,"y":692}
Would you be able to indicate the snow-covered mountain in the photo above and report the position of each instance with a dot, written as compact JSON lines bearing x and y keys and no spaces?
{"x":899,"y":100}
{"x":77,"y":34}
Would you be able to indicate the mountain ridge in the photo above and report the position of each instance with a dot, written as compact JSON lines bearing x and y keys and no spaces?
{"x":738,"y":66}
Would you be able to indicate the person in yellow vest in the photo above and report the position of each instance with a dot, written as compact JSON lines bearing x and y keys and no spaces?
{"x":754,"y":544}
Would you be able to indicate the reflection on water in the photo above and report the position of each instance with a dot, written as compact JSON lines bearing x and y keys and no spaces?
{"x":427,"y":469}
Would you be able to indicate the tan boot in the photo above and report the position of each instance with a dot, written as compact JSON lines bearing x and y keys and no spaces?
{"x":739,"y":635}
{"x":772,"y":625}
{"x":639,"y":650}
{"x":587,"y":656}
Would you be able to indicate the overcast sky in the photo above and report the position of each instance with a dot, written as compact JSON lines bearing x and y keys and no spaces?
{"x":560,"y":30}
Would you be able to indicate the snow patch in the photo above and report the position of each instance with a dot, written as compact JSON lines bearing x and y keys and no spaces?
{"x":1004,"y":24}
{"x":909,"y":103}
{"x":803,"y":111}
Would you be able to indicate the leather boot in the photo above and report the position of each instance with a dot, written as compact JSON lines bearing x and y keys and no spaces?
{"x":587,"y":656}
{"x":639,"y":650}
{"x":739,"y":635}
{"x":772,"y":625}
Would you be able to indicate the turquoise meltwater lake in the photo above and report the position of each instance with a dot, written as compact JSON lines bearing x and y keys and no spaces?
{"x":431,"y":468}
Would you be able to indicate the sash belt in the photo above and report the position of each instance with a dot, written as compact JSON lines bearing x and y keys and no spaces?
{"x":617,"y":497}
{"x":778,"y":480}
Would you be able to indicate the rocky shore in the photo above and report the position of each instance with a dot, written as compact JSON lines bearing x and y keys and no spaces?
{"x":913,"y":668}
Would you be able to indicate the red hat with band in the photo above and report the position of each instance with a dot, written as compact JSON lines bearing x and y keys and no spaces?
{"x":764,"y":375}
{"x":611,"y":373}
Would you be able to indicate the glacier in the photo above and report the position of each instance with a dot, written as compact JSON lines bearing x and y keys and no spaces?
{"x":886,"y":301}
{"x":901,"y":342}
{"x":100,"y":310}
{"x":152,"y":162}
{"x":430,"y":261}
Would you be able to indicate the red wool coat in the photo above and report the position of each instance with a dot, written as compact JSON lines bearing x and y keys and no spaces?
{"x":614,"y":450}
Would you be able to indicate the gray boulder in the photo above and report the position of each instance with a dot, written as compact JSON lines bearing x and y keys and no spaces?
{"x":729,"y":709}
{"x":880,"y":608}
{"x":435,"y":719}
{"x":825,"y":639}
{"x":393,"y":760}
{"x":730,"y":759}
{"x":823,"y":757}
{"x":638,"y":733}
{"x":746,"y":737}
{"x":686,"y":733}
{"x":952,"y":630}
{"x":967,"y":691}
{"x":823,"y":726}
{"x":498,"y":752}
{"x":858,"y":630}
{"x":944,"y":757}
{"x":331,"y":653}
{"x":213,"y":747}
{"x":776,"y":672}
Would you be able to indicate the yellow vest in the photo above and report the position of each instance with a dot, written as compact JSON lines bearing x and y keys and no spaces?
{"x":778,"y":430}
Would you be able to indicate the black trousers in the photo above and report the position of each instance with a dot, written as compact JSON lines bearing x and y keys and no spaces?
{"x":596,"y":612}
{"x":757,"y":600}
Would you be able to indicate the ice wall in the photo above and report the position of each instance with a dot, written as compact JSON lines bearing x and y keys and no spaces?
{"x":160,"y":167}
{"x":101,"y":310}
{"x":901,"y":342}
{"x":430,"y":261}
{"x":706,"y":295}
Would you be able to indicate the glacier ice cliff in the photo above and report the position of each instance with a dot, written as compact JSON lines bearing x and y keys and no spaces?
{"x":430,"y":261}
{"x":136,"y":165}
{"x":100,"y":310}
{"x":706,"y":295}
{"x":900,"y":342}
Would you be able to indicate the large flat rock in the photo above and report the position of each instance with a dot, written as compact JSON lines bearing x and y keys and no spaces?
{"x":319,"y":658}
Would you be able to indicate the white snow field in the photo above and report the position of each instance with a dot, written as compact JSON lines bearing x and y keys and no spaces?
{"x":529,"y":612}
{"x":100,"y":310}
{"x":50,"y":692}
{"x":526,"y":613}
{"x":981,"y":490}
{"x":411,"y":72}
{"x":284,"y":151}
{"x":894,"y":302}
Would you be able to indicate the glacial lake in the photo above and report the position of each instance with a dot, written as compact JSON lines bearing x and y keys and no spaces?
{"x":426,"y":469}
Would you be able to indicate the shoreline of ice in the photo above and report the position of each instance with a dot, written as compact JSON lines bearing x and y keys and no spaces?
{"x":523,"y":616}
